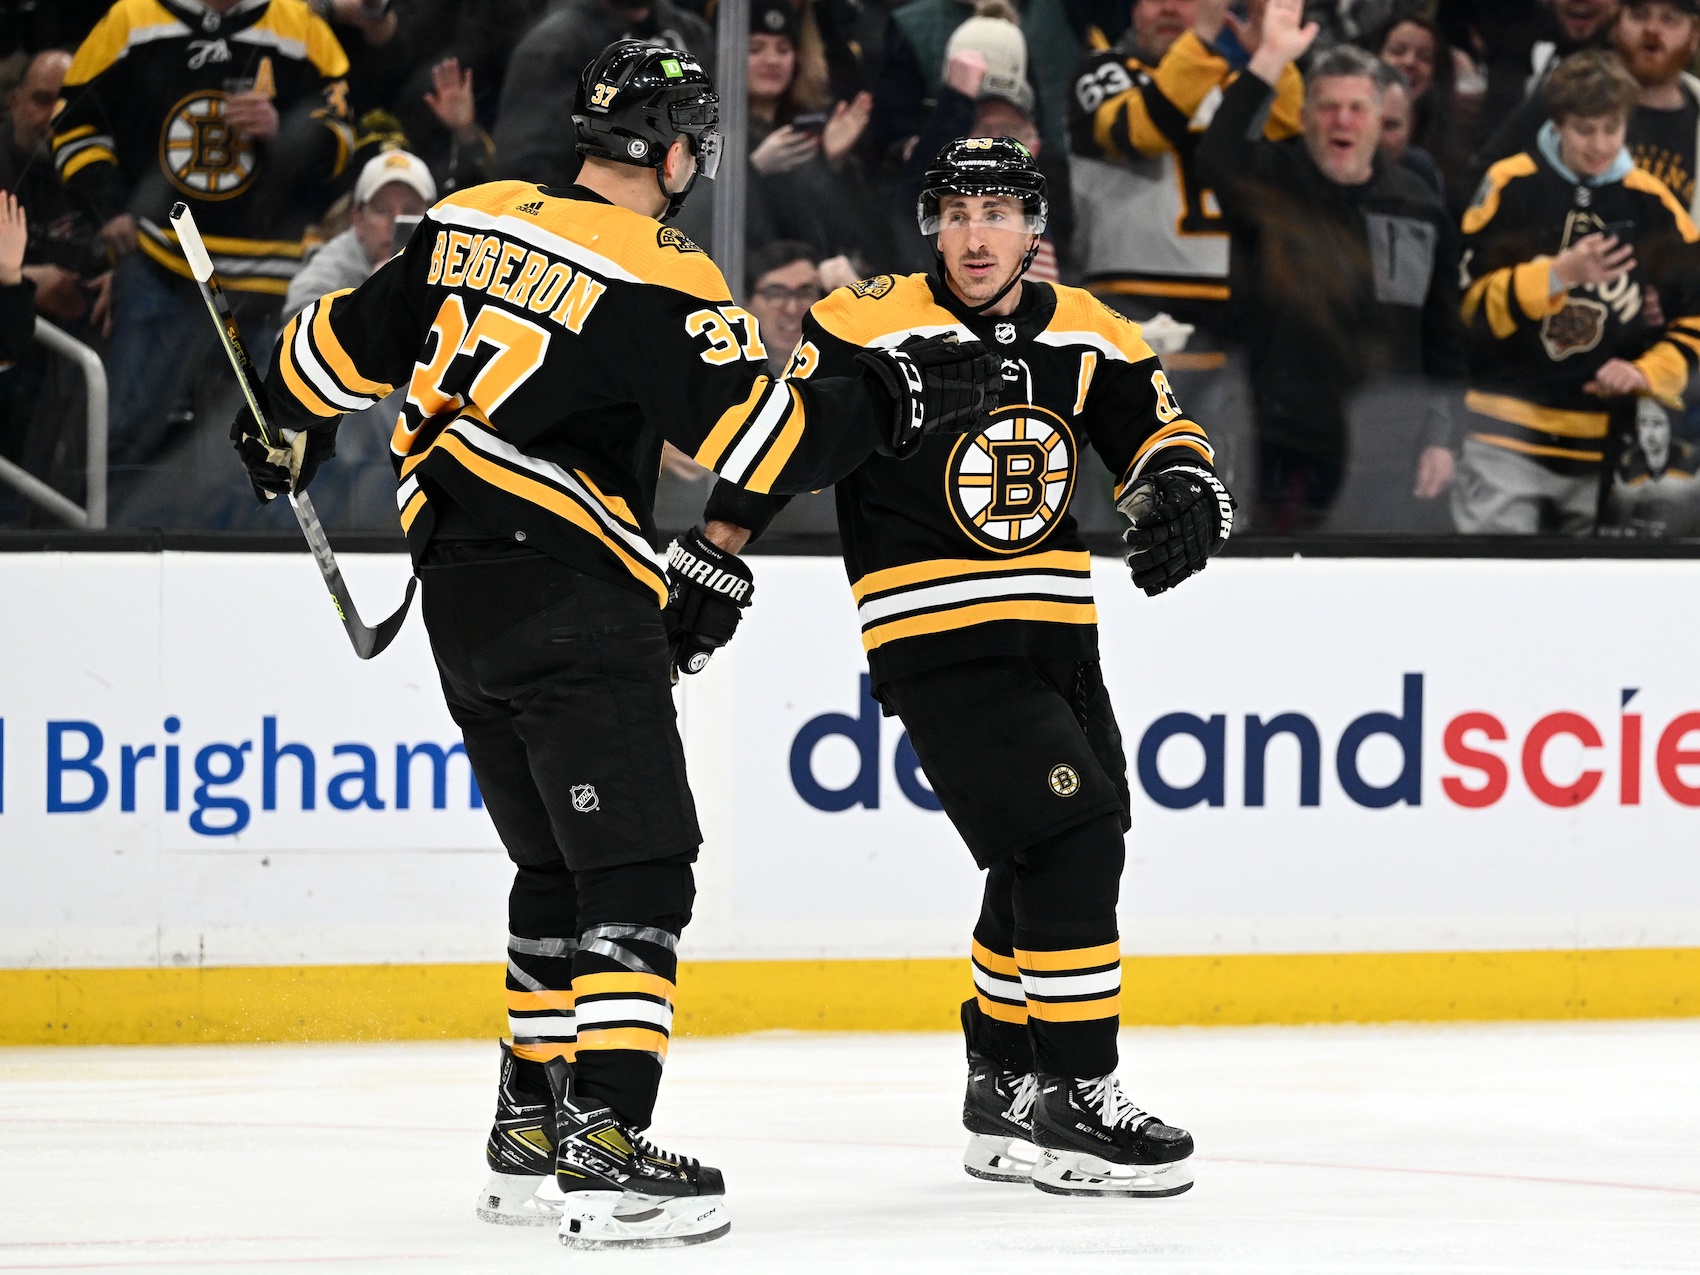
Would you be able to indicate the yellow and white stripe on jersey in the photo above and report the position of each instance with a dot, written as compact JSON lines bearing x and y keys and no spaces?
{"x":568,"y":494}
{"x":318,"y":371}
{"x":955,"y":593}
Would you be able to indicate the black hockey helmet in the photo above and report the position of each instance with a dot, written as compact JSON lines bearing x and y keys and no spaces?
{"x":985,"y":166}
{"x":635,"y":98}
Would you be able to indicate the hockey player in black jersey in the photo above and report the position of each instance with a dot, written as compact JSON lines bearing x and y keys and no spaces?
{"x":975,"y":598}
{"x":549,"y":340}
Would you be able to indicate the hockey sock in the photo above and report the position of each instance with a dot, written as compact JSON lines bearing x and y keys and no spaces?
{"x":1067,"y":948}
{"x":542,"y":919}
{"x":623,"y":980}
{"x":994,"y":1023}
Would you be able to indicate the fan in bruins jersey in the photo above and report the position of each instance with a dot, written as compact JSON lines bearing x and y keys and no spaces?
{"x":548,"y":339}
{"x":235,"y":107}
{"x":975,"y":598}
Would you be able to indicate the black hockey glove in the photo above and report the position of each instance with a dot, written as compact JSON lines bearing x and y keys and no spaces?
{"x":1181,"y":516}
{"x":938,"y":385}
{"x":277,"y":471}
{"x":707,"y":591}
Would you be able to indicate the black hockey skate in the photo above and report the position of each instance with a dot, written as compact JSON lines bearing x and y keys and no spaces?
{"x":1093,"y":1141}
{"x":997,"y":1111}
{"x":618,"y":1190}
{"x":521,"y":1151}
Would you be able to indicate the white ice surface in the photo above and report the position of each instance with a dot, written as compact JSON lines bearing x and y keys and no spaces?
{"x":1538,"y":1148}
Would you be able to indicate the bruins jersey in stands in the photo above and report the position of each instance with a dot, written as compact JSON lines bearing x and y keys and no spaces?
{"x":142,"y":127}
{"x":967,"y":549}
{"x":1533,"y":350}
{"x":1145,"y":228}
{"x":548,"y":342}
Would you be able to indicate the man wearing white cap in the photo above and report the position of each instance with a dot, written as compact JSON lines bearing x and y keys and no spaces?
{"x":393,"y":184}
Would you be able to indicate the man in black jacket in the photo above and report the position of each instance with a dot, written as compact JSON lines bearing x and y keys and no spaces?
{"x":1344,"y":275}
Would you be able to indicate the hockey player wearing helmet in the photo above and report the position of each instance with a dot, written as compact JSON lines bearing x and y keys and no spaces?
{"x":550,"y":340}
{"x":975,"y":597}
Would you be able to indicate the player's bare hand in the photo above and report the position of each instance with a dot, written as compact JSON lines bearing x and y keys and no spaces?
{"x":844,"y":128}
{"x":251,"y":115}
{"x":1594,"y":260}
{"x":1285,"y":38}
{"x":119,"y":234}
{"x":451,"y":99}
{"x":14,"y":238}
{"x":784,"y":149}
{"x":1435,"y":469}
{"x":728,"y":536}
{"x":1618,"y":376}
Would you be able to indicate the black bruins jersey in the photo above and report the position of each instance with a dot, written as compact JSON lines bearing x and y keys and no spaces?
{"x":967,"y":549}
{"x":1531,"y":351}
{"x":1145,"y":227}
{"x":142,"y":127}
{"x":548,"y":341}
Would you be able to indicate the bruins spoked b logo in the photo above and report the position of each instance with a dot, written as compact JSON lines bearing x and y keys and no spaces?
{"x":201,"y":153}
{"x":1009,"y":483}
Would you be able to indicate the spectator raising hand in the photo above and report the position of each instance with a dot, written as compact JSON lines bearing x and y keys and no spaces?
{"x":451,"y":99}
{"x":14,"y":238}
{"x":844,"y":128}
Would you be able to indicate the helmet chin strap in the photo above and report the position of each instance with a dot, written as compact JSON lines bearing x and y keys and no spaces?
{"x":675,"y":199}
{"x":1021,"y":270}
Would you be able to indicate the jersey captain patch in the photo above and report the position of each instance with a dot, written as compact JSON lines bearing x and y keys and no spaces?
{"x":201,"y":153}
{"x":1008,"y":484}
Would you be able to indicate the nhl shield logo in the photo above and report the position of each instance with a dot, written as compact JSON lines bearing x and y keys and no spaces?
{"x":1009,"y":483}
{"x":1005,"y":333}
{"x":584,"y":798}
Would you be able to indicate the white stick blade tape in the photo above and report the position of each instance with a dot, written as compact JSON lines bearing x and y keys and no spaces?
{"x":189,"y":238}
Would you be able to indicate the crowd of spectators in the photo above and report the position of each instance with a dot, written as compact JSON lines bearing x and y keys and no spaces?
{"x":1418,"y":265}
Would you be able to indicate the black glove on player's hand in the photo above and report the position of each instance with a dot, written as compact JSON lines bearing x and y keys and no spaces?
{"x":707,"y":591}
{"x":277,"y":471}
{"x":939,"y":385}
{"x":1181,"y":516}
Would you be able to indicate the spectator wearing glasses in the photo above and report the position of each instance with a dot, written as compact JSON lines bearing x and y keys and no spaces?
{"x":785,"y":280}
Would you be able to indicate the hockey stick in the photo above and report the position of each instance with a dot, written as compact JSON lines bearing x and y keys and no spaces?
{"x":367,"y":641}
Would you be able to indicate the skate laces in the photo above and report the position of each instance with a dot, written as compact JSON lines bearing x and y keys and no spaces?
{"x":1026,"y":1094}
{"x":1115,"y":1109}
{"x":647,"y":1149}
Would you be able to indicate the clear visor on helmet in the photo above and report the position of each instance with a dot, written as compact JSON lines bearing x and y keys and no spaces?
{"x":709,"y":146}
{"x":981,"y":210}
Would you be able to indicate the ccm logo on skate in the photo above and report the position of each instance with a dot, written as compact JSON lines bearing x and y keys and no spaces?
{"x":84,"y":774}
{"x":1556,"y":759}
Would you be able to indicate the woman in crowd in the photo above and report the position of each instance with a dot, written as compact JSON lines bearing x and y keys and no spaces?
{"x":805,"y":182}
{"x":1413,"y":45}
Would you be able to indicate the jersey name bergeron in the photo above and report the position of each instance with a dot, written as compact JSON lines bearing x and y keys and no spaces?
{"x":515,"y":273}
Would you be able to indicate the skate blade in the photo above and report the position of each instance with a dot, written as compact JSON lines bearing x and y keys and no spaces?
{"x":513,"y":1199}
{"x":1074,"y":1173}
{"x":611,"y":1220}
{"x":993,"y":1158}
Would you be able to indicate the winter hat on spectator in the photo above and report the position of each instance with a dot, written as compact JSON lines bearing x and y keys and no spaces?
{"x":995,"y":34}
{"x":773,"y":17}
{"x":394,"y":166}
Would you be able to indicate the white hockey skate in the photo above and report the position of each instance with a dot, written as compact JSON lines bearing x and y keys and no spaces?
{"x":1093,"y":1141}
